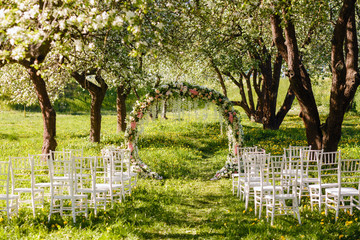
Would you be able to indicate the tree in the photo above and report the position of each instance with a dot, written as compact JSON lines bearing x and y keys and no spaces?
{"x":237,"y":47}
{"x":344,"y":68}
{"x":33,"y":31}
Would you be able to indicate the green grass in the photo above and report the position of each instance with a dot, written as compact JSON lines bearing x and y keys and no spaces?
{"x":185,"y":205}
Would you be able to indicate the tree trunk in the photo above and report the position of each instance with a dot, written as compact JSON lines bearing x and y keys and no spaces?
{"x":122,"y":94}
{"x":218,"y":73}
{"x":164,"y":110}
{"x":345,"y":76}
{"x":97,"y":97}
{"x":300,"y":82}
{"x":48,"y":112}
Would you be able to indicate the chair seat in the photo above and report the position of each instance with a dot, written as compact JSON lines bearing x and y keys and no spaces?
{"x":268,"y":188}
{"x":310,"y":180}
{"x":77,"y":196}
{"x":343,"y":191}
{"x":65,"y":178}
{"x":47,"y":184}
{"x":10,"y":196}
{"x":27,"y":190}
{"x":118,"y":178}
{"x":324,"y":185}
{"x":90,"y":190}
{"x":107,"y":186}
{"x":281,"y":196}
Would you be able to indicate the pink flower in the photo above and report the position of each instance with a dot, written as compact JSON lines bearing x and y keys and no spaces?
{"x":133,"y":125}
{"x":140,"y":115}
{"x":193,"y":91}
{"x":131,"y":147}
{"x":157,"y":91}
{"x":231,"y":118}
{"x":235,"y":149}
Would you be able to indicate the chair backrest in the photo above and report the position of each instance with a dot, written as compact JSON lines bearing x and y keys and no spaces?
{"x":329,"y":166}
{"x":40,"y":169}
{"x":309,"y":163}
{"x":84,"y":171}
{"x":349,"y":173}
{"x":291,"y":155}
{"x":293,"y":152}
{"x":253,"y":164}
{"x":21,"y":172}
{"x":276,"y":170}
{"x":240,"y":155}
{"x":280,"y":174}
{"x":102,"y":168}
{"x":63,"y":155}
{"x":62,"y":170}
{"x":242,"y":150}
{"x":74,"y":152}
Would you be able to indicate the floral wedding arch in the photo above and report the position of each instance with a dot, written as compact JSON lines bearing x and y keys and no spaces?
{"x":194,"y":93}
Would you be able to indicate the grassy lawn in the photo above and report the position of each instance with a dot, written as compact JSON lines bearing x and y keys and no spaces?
{"x":185,"y":205}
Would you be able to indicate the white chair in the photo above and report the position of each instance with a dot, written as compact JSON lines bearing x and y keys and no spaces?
{"x":308,"y":172}
{"x":253,"y":165}
{"x":292,"y":154}
{"x":267,"y":177}
{"x":327,"y":177}
{"x":41,"y":173}
{"x":74,"y":152}
{"x":347,"y":194}
{"x":23,"y":183}
{"x":244,"y":178}
{"x":9,"y":202}
{"x":66,"y":201}
{"x":105,"y":174}
{"x":85,"y":168}
{"x":240,"y":172}
{"x":279,"y":202}
{"x":122,"y":169}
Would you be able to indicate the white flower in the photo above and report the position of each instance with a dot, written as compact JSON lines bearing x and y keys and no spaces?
{"x":130,"y":14}
{"x":72,"y":19}
{"x":91,"y":45}
{"x":118,"y":21}
{"x":105,"y":16}
{"x":160,"y":25}
{"x":13,"y":31}
{"x":18,"y":53}
{"x":78,"y":45}
{"x":62,"y":24}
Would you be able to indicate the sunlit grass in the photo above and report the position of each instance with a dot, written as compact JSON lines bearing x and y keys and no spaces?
{"x":185,"y":205}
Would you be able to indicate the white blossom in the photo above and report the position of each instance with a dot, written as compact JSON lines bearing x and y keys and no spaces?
{"x":130,"y":14}
{"x":18,"y":52}
{"x":78,"y":45}
{"x":118,"y":21}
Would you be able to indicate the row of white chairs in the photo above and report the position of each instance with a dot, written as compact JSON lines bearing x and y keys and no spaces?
{"x":271,"y":181}
{"x":71,"y":182}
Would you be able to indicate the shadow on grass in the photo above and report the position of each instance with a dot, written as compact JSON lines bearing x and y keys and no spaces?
{"x":11,"y":137}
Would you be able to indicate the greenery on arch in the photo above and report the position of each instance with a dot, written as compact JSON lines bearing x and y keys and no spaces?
{"x":194,"y":93}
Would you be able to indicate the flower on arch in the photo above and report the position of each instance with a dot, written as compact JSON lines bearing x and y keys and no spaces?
{"x":196,"y":93}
